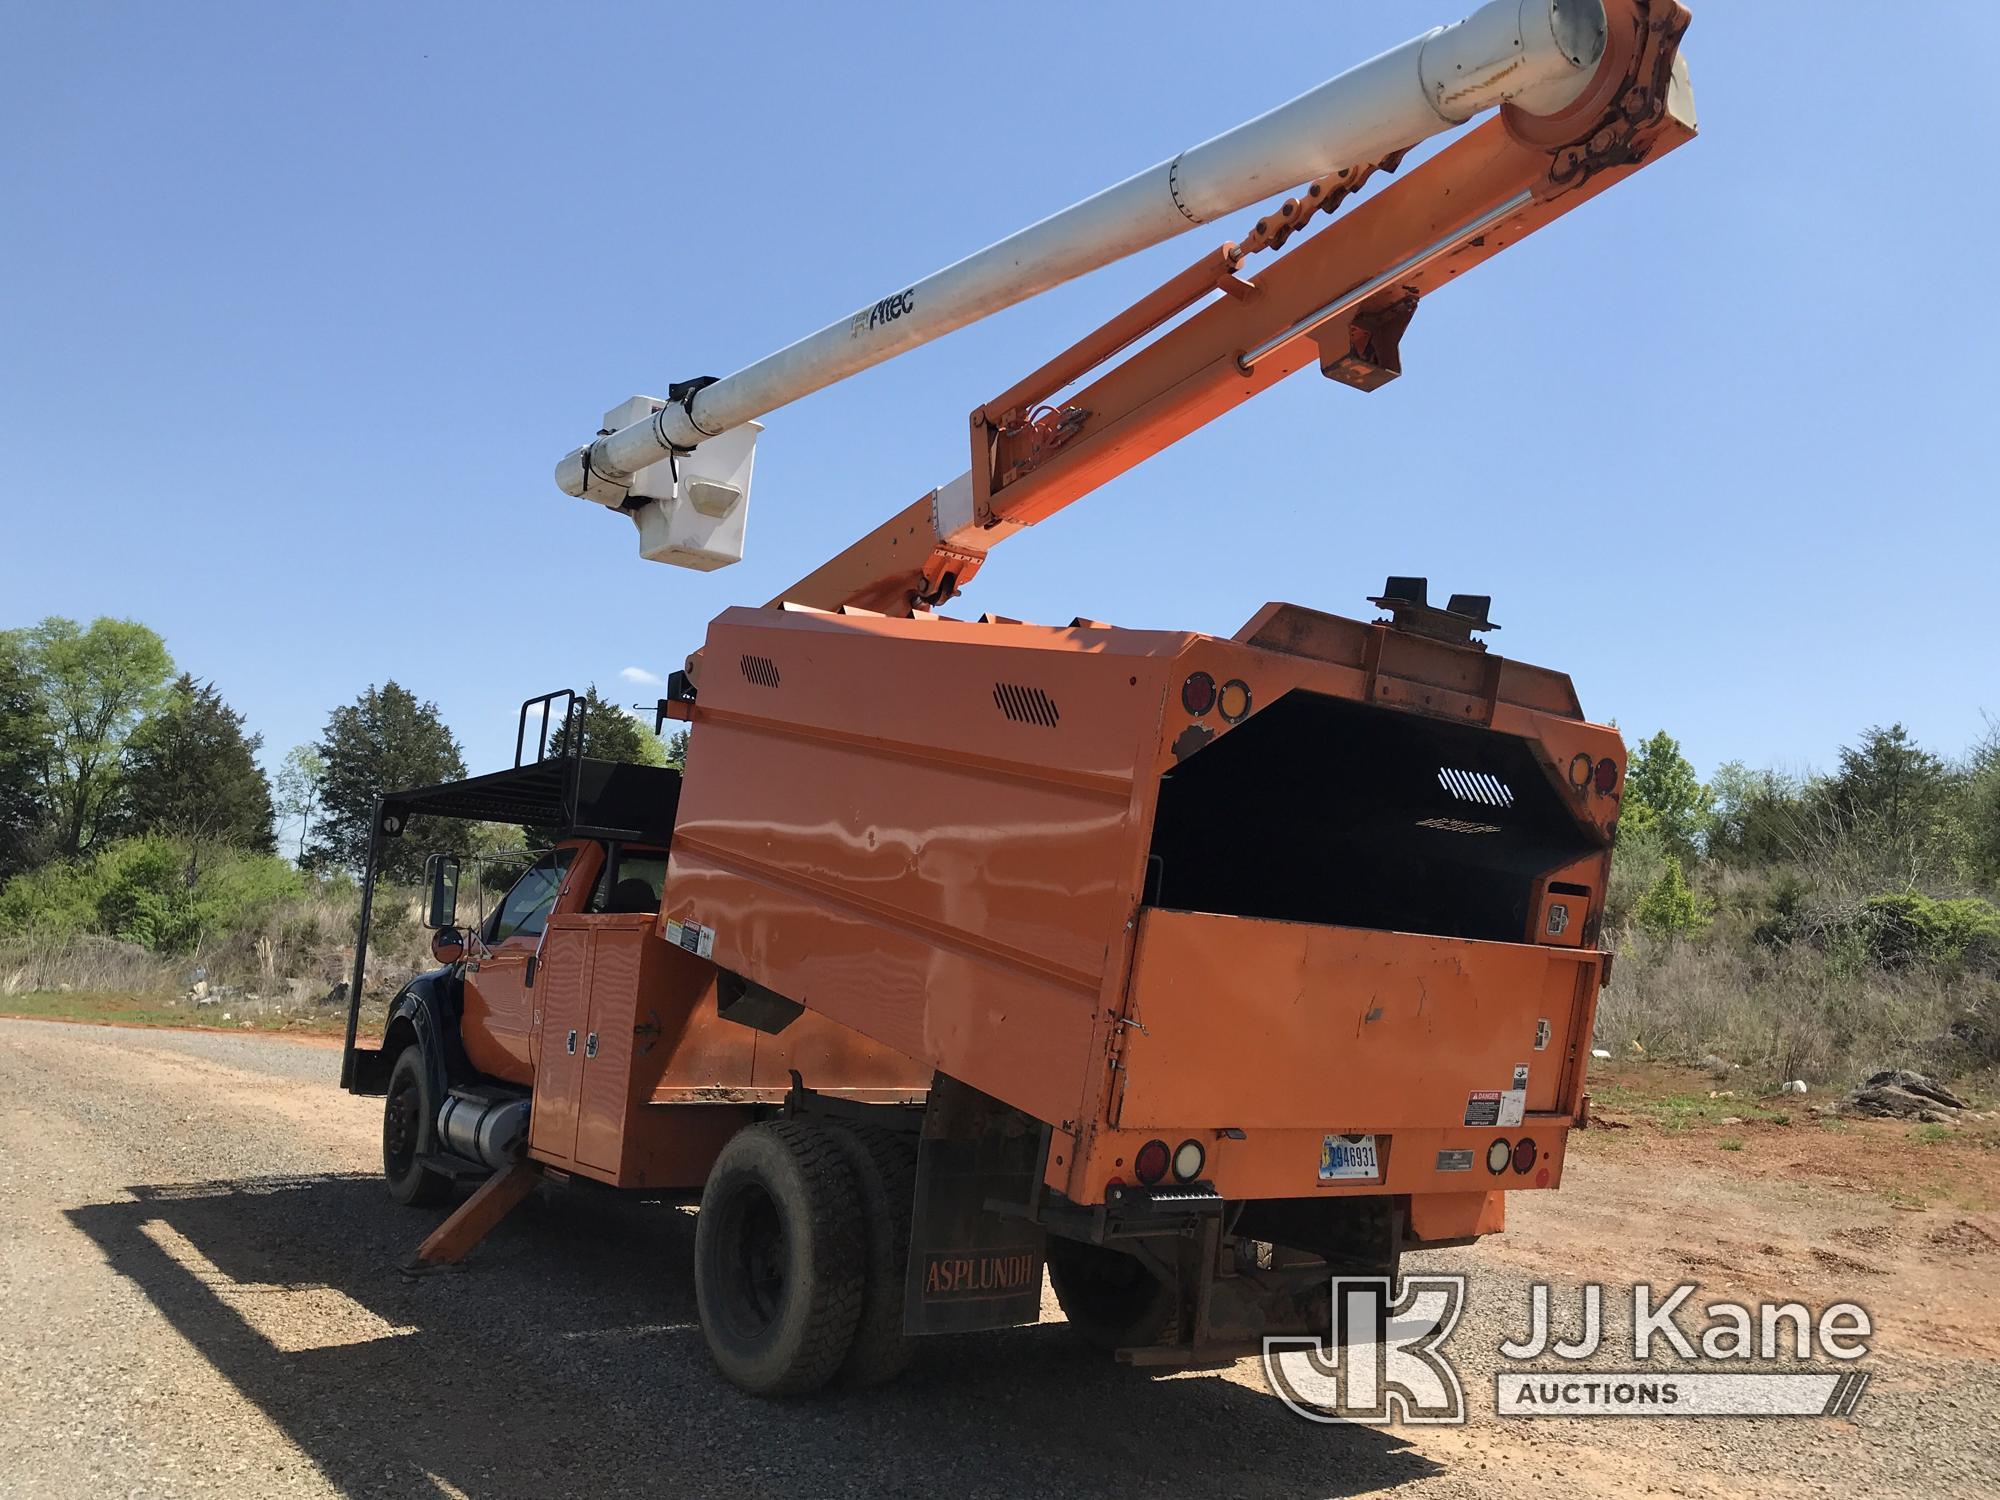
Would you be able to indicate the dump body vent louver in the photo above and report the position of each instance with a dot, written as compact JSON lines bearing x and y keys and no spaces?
{"x":1476,"y":786}
{"x":1026,"y":705}
{"x":761,"y":670}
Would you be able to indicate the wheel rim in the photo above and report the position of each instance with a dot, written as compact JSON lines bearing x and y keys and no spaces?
{"x":754,"y":1259}
{"x":400,"y":1127}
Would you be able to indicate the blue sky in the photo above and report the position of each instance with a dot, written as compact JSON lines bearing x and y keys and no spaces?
{"x":303,"y":303}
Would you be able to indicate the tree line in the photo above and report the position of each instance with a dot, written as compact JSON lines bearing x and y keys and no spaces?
{"x":105,"y":740}
{"x":1894,"y":851}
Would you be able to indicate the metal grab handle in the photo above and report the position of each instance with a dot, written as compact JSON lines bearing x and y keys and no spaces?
{"x":572,"y":1043}
{"x":590,"y":1045}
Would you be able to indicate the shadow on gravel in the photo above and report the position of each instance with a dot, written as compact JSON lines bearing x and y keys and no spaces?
{"x":565,"y":1361}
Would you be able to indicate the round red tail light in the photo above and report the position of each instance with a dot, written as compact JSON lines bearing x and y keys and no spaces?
{"x":1150,"y":1164}
{"x":1524,"y":1155}
{"x":1605,"y":777}
{"x":1198,"y":693}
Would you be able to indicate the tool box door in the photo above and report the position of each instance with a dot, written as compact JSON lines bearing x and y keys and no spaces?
{"x":562,"y":1015}
{"x":604,"y":1099}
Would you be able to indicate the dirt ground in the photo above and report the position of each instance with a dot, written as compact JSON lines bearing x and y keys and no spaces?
{"x":199,"y":1296}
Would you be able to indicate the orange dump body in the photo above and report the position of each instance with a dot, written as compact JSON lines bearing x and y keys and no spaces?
{"x":1324,"y":879}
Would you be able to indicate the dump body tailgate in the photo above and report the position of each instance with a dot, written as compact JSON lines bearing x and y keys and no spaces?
{"x":1240,"y":1022}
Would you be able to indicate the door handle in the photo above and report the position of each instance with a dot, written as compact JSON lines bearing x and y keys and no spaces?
{"x":590,"y":1045}
{"x":572,"y":1043}
{"x":529,"y":982}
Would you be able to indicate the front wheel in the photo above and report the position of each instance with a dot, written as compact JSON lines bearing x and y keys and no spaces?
{"x":406,"y":1133}
{"x":780,"y":1258}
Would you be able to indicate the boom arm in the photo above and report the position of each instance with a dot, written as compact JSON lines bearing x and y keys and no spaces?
{"x":1539,"y":53}
{"x":1341,"y":298}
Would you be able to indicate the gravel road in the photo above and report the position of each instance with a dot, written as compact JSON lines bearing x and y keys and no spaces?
{"x":199,"y":1296}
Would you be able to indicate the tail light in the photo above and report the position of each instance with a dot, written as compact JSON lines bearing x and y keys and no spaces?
{"x":1498,"y":1155}
{"x":1198,"y":693}
{"x":1524,"y":1155}
{"x":1189,"y":1159}
{"x":1149,"y":1165}
{"x":1605,"y":777}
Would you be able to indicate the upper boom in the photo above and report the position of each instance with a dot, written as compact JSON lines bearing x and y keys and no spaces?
{"x":1538,"y":54}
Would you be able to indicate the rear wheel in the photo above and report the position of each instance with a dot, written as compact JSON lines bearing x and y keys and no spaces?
{"x":885,"y":1172}
{"x":780,"y":1258}
{"x":1113,"y":1300}
{"x":406,"y":1134}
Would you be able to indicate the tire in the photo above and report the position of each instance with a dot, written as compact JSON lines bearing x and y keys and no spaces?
{"x":780,"y":1258}
{"x":884,"y":1163}
{"x":1113,"y":1300}
{"x":407,"y":1133}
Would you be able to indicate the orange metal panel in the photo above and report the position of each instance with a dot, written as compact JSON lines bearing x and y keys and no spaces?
{"x":1256,"y":1024}
{"x":606,"y":1097}
{"x":930,"y":833}
{"x":1457,"y":1216}
{"x":562,"y":999}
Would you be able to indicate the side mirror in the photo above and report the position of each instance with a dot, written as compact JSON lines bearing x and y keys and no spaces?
{"x":441,"y":885}
{"x":447,"y":945}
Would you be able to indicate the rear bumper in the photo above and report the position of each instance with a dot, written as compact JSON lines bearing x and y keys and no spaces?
{"x":1419,"y":1160}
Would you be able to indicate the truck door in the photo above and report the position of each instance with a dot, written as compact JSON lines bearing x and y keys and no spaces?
{"x":497,"y":1020}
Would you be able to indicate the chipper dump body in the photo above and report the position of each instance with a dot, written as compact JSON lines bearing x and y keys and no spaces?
{"x":1322,"y":880}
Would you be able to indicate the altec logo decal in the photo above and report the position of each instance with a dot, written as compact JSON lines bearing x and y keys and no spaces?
{"x":1386,"y":1362}
{"x":886,"y":311}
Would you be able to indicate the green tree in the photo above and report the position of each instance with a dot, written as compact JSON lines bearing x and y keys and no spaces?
{"x":1894,"y":800}
{"x":24,"y":762}
{"x":94,"y":685}
{"x":1755,"y":817}
{"x":1980,"y":808}
{"x":298,"y":791}
{"x":609,"y":733}
{"x":191,"y":772}
{"x":384,"y":741}
{"x":1663,"y":795}
{"x":677,"y":749}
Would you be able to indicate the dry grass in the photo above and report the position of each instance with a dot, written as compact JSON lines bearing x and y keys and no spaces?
{"x":1782,"y":1013}
{"x":291,"y":971}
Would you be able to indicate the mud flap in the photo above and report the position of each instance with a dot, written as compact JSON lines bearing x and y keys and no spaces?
{"x":975,"y":1250}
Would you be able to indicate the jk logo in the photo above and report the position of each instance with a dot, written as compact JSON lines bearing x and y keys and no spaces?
{"x":1384,"y":1363}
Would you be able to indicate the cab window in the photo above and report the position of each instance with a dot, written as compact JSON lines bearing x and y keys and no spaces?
{"x":526,"y":908}
{"x":631,"y":883}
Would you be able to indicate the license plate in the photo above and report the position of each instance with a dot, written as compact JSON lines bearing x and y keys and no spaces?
{"x":1348,"y":1158}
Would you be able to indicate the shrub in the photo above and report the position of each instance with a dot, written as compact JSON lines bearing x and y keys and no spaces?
{"x":1670,"y":909}
{"x":1636,"y":866}
{"x":165,"y":895}
{"x":1908,"y":927}
{"x":1895,"y":931}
